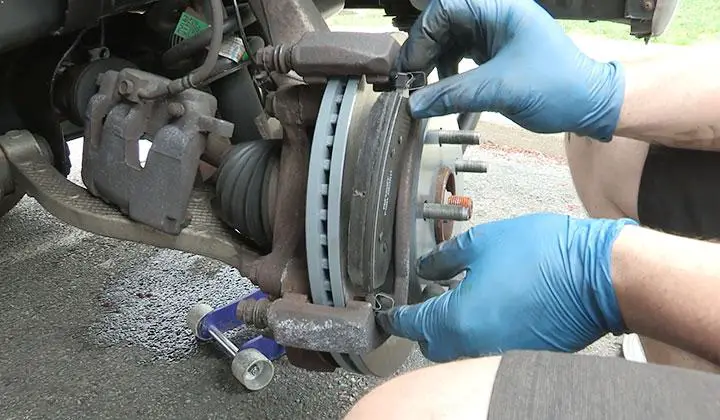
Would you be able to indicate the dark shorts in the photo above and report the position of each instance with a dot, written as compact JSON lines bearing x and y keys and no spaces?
{"x":679,"y":192}
{"x":543,"y":385}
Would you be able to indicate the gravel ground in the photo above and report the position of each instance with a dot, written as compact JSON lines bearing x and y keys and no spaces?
{"x":97,"y":326}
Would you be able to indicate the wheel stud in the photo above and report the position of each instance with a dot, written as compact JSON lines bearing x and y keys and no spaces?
{"x":461,"y":200}
{"x":468,"y":137}
{"x":476,"y":166}
{"x":446,"y":212}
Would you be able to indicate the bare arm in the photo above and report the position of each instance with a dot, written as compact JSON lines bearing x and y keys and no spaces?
{"x":668,"y":288}
{"x":674,"y":99}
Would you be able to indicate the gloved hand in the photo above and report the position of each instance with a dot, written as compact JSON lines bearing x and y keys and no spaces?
{"x":536,"y":282}
{"x":529,"y":70}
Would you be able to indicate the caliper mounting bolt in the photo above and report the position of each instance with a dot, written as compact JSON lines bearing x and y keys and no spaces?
{"x":125,"y":87}
{"x":446,"y":212}
{"x":176,"y":109}
{"x":476,"y":166}
{"x":275,"y":58}
{"x":253,"y":312}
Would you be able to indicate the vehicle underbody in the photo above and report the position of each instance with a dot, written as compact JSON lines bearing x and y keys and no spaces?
{"x":279,"y":147}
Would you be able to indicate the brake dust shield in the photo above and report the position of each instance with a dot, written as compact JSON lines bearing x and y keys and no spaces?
{"x":371,"y":170}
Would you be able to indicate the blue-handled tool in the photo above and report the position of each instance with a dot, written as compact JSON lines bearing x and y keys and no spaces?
{"x":252,"y":362}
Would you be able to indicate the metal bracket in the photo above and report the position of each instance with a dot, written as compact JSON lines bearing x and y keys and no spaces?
{"x":640,"y":13}
{"x":320,"y":56}
{"x":295,"y":322}
{"x":402,"y":81}
{"x":206,"y":235}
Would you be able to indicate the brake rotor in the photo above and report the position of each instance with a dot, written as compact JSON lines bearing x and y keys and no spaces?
{"x":370,"y":172}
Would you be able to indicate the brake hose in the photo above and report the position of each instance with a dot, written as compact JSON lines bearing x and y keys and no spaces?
{"x":191,"y":46}
{"x":188,"y":47}
{"x":201,"y":73}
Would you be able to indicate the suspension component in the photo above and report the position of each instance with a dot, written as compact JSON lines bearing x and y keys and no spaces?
{"x":246,"y":189}
{"x":205,"y":235}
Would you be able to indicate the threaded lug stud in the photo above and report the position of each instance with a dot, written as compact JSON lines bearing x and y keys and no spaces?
{"x":446,"y":212}
{"x":466,"y":137}
{"x":475,"y":166}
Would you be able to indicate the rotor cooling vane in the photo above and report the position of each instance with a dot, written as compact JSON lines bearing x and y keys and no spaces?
{"x":373,"y":203}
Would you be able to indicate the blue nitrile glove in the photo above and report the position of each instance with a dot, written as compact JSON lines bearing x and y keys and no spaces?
{"x":529,"y":70}
{"x":536,"y":282}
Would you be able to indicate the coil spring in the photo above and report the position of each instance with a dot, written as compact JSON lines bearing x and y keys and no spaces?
{"x":246,"y":187}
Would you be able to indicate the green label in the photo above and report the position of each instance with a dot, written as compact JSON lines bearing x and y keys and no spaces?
{"x":188,"y":26}
{"x":234,"y":49}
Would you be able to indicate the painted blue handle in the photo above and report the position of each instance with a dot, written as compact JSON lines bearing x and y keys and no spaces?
{"x":266,"y":346}
{"x":225,"y":319}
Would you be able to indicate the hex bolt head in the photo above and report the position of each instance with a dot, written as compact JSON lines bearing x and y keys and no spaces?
{"x":125,"y":87}
{"x":176,"y":109}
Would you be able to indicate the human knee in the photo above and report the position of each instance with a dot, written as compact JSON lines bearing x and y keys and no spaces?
{"x":588,"y":185}
{"x":398,"y":397}
{"x":606,"y":175}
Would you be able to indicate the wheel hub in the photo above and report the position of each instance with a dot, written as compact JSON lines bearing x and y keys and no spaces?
{"x":370,"y":173}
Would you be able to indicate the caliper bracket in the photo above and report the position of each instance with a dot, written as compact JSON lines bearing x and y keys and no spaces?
{"x":294,"y":322}
{"x":319,"y":56}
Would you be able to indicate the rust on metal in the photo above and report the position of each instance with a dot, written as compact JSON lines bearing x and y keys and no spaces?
{"x":295,"y":322}
{"x":206,"y":235}
{"x":284,"y":268}
{"x":462,"y":201}
{"x":444,"y":189}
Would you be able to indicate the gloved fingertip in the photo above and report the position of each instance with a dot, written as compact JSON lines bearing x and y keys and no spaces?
{"x":421,"y":263}
{"x":423,"y":267}
{"x":406,"y":321}
{"x":448,"y":259}
{"x":397,"y":322}
{"x":434,"y":267}
{"x":384,"y":321}
{"x":418,"y":106}
{"x":446,"y":96}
